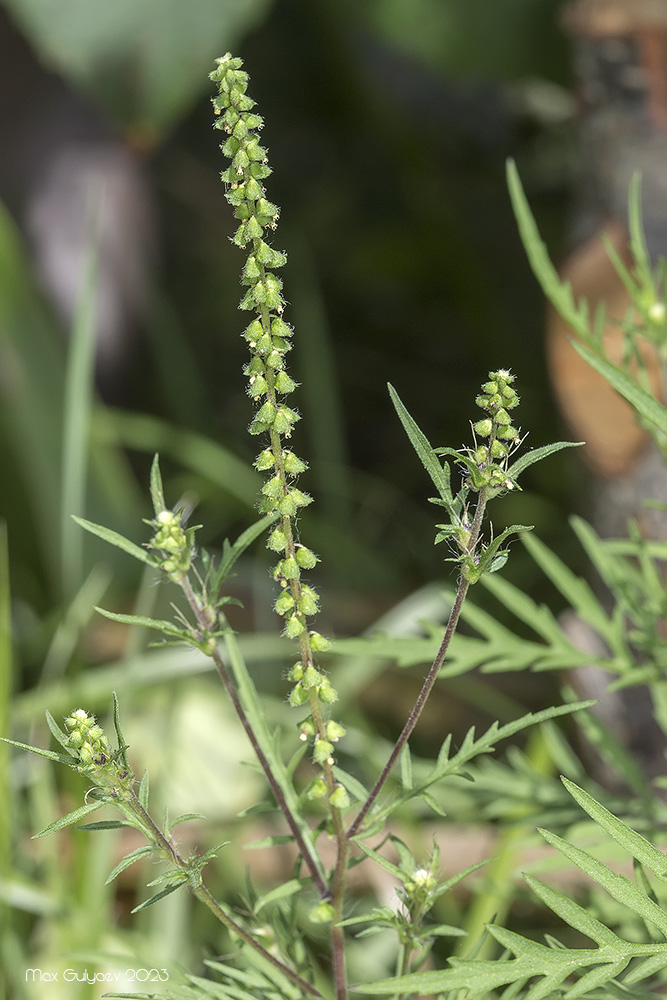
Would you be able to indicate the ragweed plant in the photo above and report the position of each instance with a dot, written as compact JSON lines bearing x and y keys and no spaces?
{"x":329,"y":801}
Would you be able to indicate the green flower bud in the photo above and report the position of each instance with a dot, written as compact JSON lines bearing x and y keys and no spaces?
{"x":481,"y":455}
{"x":253,"y":229}
{"x":277,"y":541}
{"x":294,"y":627}
{"x":284,"y":603}
{"x":326,"y":693}
{"x":266,"y":413}
{"x":253,"y":332}
{"x":289,"y":568}
{"x":334,"y":731}
{"x":323,"y":913}
{"x":317,"y":789}
{"x":279,"y":328}
{"x":296,"y":673}
{"x":272,"y":487}
{"x":483,"y":427}
{"x":311,"y":676}
{"x":293,"y":464}
{"x":257,"y":386}
{"x":498,"y":450}
{"x":298,"y":696}
{"x":305,"y":558}
{"x":308,"y":603}
{"x":339,"y":798}
{"x":264,"y":460}
{"x":322,"y":750}
{"x":318,"y":643}
{"x":284,"y":384}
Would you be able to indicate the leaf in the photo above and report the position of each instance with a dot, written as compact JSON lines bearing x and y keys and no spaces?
{"x":144,"y":786}
{"x":383,"y":862}
{"x":283,"y":891}
{"x":618,"y":886}
{"x":168,"y":628}
{"x":49,"y":754}
{"x":156,"y":487}
{"x":640,"y":400}
{"x":113,"y":538}
{"x":122,"y":744}
{"x":629,"y":839}
{"x":231,"y":553}
{"x":106,"y":824}
{"x":182,"y":819}
{"x":558,"y":292}
{"x":69,"y":819}
{"x":158,"y":896}
{"x":537,"y":454}
{"x":129,"y":859}
{"x":426,"y":454}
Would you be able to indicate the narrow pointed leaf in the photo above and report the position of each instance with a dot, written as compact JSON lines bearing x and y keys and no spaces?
{"x":232,"y":552}
{"x":122,"y":745}
{"x":58,"y":734}
{"x":289,"y":888}
{"x":636,"y":845}
{"x":618,"y":886}
{"x":113,"y":538}
{"x":640,"y":400}
{"x":158,"y":896}
{"x":129,"y":859}
{"x":69,"y":819}
{"x":537,"y":454}
{"x":168,"y":628}
{"x":156,"y":487}
{"x":425,"y":452}
{"x":49,"y":754}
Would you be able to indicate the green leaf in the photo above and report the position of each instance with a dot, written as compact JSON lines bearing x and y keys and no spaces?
{"x":629,"y":839}
{"x":49,"y":754}
{"x":129,"y":859}
{"x":537,"y":454}
{"x":231,"y":553}
{"x":113,"y":538}
{"x":382,"y":862}
{"x":283,"y":891}
{"x":618,"y":886}
{"x":156,"y":487}
{"x":144,"y":786}
{"x":426,"y":454}
{"x":106,"y":824}
{"x":573,"y":914}
{"x":158,"y":896}
{"x":69,"y":819}
{"x":182,"y":819}
{"x":59,"y":734}
{"x":168,"y":628}
{"x":558,"y":292}
{"x":641,"y":400}
{"x":122,"y":744}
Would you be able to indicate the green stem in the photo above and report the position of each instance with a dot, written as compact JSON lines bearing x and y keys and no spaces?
{"x":169,"y":850}
{"x":305,"y":850}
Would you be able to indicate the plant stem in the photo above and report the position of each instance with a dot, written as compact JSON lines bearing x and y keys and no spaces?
{"x":305,"y":850}
{"x":432,"y":676}
{"x":168,"y":848}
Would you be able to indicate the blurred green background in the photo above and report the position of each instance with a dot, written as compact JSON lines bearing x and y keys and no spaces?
{"x":388,"y":125}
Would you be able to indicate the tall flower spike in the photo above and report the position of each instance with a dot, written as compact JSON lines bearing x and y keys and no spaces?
{"x":269,"y":384}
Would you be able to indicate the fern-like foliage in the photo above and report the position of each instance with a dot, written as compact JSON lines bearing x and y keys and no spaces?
{"x":534,"y":971}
